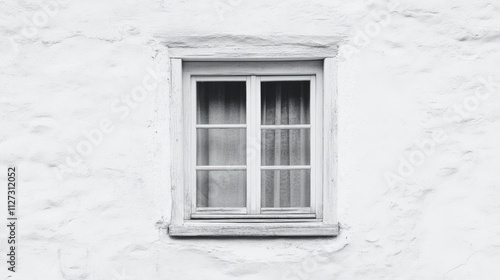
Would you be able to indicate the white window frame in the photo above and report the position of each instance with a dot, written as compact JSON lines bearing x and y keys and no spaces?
{"x":317,"y":220}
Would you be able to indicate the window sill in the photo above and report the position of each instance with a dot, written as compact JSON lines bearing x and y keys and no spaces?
{"x":253,"y":229}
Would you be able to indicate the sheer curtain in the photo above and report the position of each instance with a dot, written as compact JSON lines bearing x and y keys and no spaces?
{"x":285,"y":103}
{"x":221,"y":103}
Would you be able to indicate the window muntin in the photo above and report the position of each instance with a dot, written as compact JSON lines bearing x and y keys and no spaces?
{"x":278,"y":112}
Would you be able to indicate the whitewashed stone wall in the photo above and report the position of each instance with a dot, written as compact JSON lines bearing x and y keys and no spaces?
{"x":410,"y":73}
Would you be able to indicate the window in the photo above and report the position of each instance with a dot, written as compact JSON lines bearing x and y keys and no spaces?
{"x":252,"y":152}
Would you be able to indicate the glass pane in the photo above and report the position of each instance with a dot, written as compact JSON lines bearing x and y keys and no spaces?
{"x":286,"y":147}
{"x":286,"y":188}
{"x":285,"y":102}
{"x":221,"y":146}
{"x":224,"y":188}
{"x":221,"y":102}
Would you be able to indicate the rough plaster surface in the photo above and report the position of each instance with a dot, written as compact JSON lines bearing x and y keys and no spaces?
{"x":104,"y":218}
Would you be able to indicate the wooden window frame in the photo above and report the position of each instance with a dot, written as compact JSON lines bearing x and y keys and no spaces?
{"x":320,"y":219}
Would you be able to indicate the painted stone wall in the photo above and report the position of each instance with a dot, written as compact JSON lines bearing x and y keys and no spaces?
{"x":84,"y":115}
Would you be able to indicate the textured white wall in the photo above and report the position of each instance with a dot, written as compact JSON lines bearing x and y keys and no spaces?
{"x":409,"y":72}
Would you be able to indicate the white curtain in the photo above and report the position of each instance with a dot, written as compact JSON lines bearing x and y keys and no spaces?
{"x":221,"y":103}
{"x":283,"y":103}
